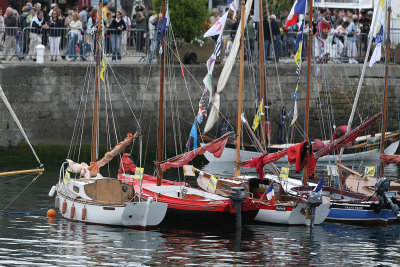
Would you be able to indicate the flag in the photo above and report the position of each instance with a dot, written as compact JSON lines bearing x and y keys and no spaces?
{"x":218,"y":27}
{"x":271,"y":194}
{"x":298,"y":8}
{"x":378,"y":34}
{"x":257,"y":118}
{"x":228,"y":2}
{"x":102,"y":68}
{"x":208,"y":81}
{"x":297,"y":59}
{"x":295,"y":112}
{"x":318,"y":189}
{"x":166,"y":22}
{"x":193,"y":133}
{"x":217,"y":50}
{"x":211,"y":63}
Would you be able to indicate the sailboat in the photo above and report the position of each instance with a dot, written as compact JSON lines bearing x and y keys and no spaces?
{"x":84,"y":195}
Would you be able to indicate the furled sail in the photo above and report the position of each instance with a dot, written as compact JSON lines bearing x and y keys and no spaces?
{"x":215,"y":147}
{"x":390,"y":159}
{"x":226,"y":71}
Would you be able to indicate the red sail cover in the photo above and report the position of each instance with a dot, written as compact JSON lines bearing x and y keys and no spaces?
{"x":263,"y":160}
{"x":347,"y":138}
{"x":127,"y":165}
{"x":215,"y":147}
{"x":298,"y":154}
{"x":389,"y":159}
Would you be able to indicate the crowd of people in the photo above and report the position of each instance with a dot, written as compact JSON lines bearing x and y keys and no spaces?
{"x":76,"y":30}
{"x":346,"y":30}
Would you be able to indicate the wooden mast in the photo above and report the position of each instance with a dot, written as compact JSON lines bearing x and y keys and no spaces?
{"x":383,"y":137}
{"x":310,"y":33}
{"x":161,"y":104}
{"x":239,"y":124}
{"x":262,"y":78}
{"x":95,"y":133}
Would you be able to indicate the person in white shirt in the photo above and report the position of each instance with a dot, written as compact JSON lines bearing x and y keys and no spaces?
{"x":340,"y":35}
{"x":125,"y":34}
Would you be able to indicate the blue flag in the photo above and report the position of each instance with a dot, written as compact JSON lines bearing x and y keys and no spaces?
{"x":165,"y":24}
{"x":193,"y":133}
{"x":318,"y":189}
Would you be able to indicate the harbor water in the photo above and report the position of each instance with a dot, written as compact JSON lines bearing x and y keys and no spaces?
{"x":31,"y":239}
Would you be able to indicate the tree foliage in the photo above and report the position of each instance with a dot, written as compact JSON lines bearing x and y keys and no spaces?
{"x":187,"y":17}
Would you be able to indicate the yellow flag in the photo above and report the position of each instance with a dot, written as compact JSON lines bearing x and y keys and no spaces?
{"x":257,"y":118}
{"x":297,"y":57}
{"x":369,"y":171}
{"x":212,"y":183}
{"x":284,"y":172}
{"x":138,"y":173}
{"x":66,"y":177}
{"x":188,"y":170}
{"x":102,"y":68}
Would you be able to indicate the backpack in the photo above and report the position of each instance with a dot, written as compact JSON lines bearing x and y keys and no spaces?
{"x":22,"y":21}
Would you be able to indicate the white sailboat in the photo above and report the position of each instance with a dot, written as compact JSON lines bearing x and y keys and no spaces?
{"x":91,"y":198}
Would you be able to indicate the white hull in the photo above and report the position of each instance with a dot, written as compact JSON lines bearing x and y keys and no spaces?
{"x":297,"y":216}
{"x":135,"y":214}
{"x":229,"y":155}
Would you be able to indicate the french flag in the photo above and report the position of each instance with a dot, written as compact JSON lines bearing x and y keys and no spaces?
{"x":318,"y":189}
{"x":298,"y":8}
{"x":271,"y":194}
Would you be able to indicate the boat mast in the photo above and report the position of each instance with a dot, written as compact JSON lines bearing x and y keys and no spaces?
{"x":239,"y":112}
{"x":161,"y":103}
{"x":382,"y":168}
{"x":262,"y":78}
{"x":310,"y":35}
{"x":95,"y":132}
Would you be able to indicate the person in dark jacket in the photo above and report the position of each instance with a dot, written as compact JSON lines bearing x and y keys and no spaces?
{"x":276,"y":36}
{"x":55,"y":25}
{"x":37,"y":25}
{"x":10,"y":24}
{"x":116,"y":27}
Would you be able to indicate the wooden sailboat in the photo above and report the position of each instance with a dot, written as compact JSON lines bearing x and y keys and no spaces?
{"x":91,"y":198}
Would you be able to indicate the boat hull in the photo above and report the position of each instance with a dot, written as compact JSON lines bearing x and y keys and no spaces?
{"x":229,"y":155}
{"x":360,"y":214}
{"x":291,"y":215}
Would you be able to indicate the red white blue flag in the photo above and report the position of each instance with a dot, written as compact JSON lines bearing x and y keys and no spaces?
{"x":298,"y":8}
{"x":271,"y":194}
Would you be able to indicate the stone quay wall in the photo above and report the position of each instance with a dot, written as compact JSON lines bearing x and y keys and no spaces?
{"x":46,"y":99}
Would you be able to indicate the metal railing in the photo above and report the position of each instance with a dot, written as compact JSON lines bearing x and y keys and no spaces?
{"x":64,"y":42}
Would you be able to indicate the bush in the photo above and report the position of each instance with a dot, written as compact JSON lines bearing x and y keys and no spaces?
{"x":187,"y":17}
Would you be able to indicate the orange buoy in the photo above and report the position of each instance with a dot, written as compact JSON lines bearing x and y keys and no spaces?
{"x":64,"y":207}
{"x":51,"y":213}
{"x":84,"y":213}
{"x":72,"y":211}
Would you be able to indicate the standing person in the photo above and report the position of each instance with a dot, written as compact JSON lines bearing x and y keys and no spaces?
{"x":138,"y":3}
{"x":10,"y":24}
{"x":340,"y":35}
{"x":84,"y":17}
{"x":323,"y":29}
{"x":267,"y":37}
{"x":365,"y":24}
{"x":55,"y":25}
{"x":156,"y":38}
{"x":37,"y":25}
{"x":250,"y":37}
{"x":140,"y":27}
{"x":53,"y":7}
{"x":1,"y":26}
{"x":22,"y":24}
{"x":125,"y":34}
{"x":276,"y":36}
{"x":107,"y":23}
{"x":116,"y":28}
{"x":353,"y":31}
{"x":74,"y":36}
{"x":106,"y":8}
{"x":92,"y":30}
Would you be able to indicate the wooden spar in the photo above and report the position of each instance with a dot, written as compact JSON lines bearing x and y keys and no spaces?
{"x":239,"y":114}
{"x":310,"y":35}
{"x":349,"y":170}
{"x":95,"y":133}
{"x":383,"y":141}
{"x":262,"y":78}
{"x":161,"y":104}
{"x":21,"y":172}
